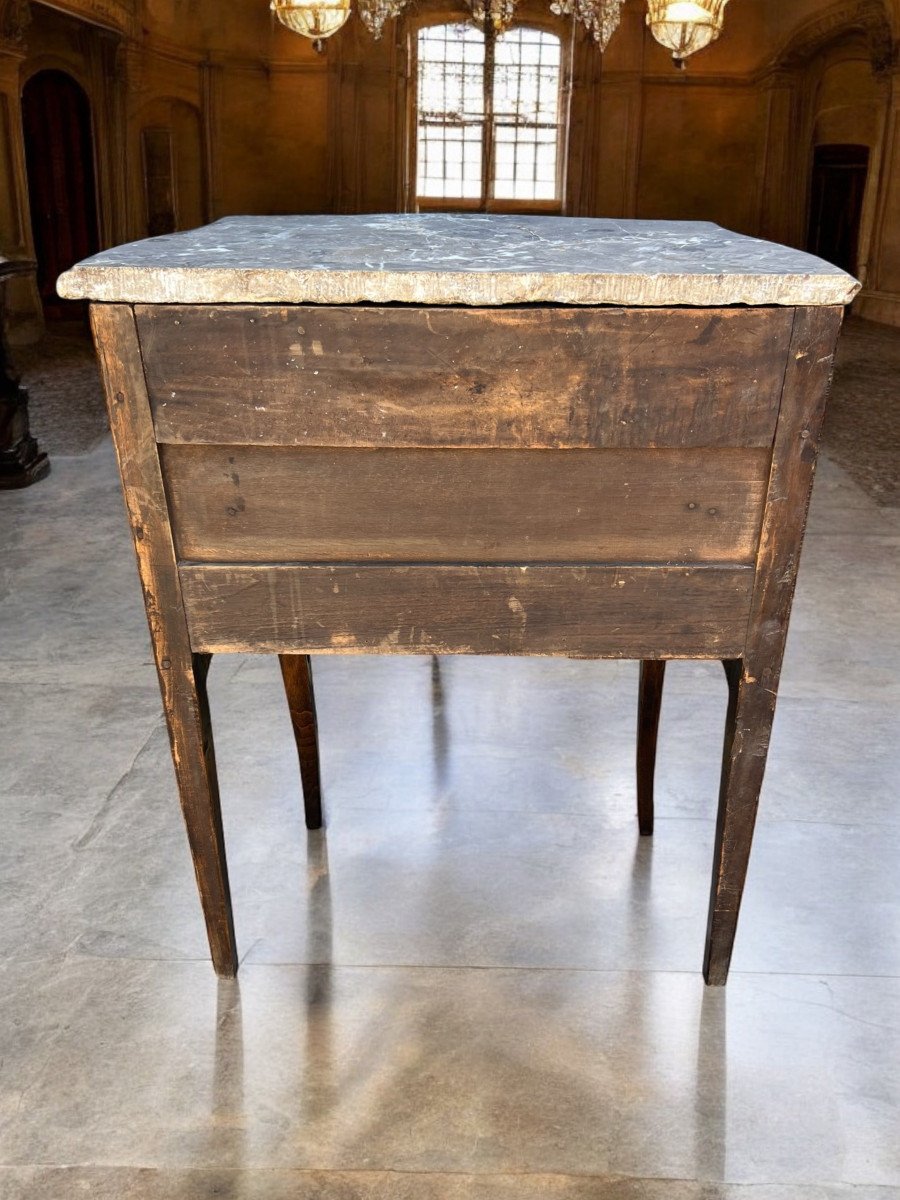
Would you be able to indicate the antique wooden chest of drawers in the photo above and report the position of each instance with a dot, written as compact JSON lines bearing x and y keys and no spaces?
{"x":452,"y":434}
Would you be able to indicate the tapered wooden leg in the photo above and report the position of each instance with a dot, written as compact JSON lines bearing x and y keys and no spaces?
{"x":753,"y":679}
{"x":182,"y":674}
{"x":650,"y":692}
{"x":296,"y":671}
{"x":751,"y":709}
{"x":190,"y":732}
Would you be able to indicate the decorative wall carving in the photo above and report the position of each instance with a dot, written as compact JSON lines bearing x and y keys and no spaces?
{"x":110,"y":14}
{"x":866,"y":17}
{"x":15,"y":17}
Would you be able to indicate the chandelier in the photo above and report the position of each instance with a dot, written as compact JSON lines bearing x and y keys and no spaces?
{"x":500,"y":13}
{"x":682,"y":26}
{"x":685,"y":26}
{"x":599,"y":17}
{"x":316,"y":21}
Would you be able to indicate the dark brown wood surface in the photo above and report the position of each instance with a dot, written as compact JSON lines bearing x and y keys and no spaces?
{"x":616,"y":612}
{"x":753,"y":681}
{"x":270,"y":504}
{"x":296,"y":672}
{"x":650,"y":691}
{"x":537,"y":377}
{"x":182,"y":674}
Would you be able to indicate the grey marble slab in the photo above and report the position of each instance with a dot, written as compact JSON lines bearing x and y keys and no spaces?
{"x":456,"y":258}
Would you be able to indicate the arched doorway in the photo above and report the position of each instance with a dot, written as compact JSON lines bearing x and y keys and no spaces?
{"x":836,"y":203}
{"x":59,"y":157}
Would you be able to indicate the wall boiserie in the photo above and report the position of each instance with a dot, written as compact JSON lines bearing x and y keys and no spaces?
{"x":202,"y":110}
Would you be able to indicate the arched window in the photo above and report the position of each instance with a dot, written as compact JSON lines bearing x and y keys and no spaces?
{"x":489,"y":119}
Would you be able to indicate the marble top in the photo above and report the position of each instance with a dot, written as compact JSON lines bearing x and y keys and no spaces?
{"x":456,"y":258}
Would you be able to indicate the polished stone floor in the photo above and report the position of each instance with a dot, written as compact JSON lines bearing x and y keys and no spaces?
{"x":862,"y":422}
{"x":63,"y":380}
{"x":479,"y":983}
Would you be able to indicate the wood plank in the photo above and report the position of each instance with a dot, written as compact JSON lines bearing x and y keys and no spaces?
{"x":514,"y":377}
{"x":591,"y":611}
{"x":182,"y":674}
{"x":271,"y":504}
{"x":753,"y":681}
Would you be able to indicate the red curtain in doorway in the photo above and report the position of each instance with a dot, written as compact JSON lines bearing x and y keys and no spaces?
{"x":59,"y":155}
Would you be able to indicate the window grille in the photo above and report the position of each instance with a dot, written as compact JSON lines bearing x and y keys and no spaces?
{"x":489,"y":116}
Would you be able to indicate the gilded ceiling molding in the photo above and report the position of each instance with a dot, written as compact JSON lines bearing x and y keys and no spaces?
{"x":118,"y":16}
{"x":866,"y":17}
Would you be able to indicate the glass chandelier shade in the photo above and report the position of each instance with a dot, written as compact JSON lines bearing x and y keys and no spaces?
{"x":374,"y":13}
{"x":599,"y":17}
{"x":315,"y":19}
{"x":499,"y":12}
{"x":685,"y":26}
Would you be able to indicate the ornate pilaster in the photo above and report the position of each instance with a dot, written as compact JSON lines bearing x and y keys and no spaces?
{"x":880,"y":298}
{"x":781,"y":173}
{"x":21,"y":302}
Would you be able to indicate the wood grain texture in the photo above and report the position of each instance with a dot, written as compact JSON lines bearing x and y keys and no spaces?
{"x":753,"y":681}
{"x":296,"y":673}
{"x":590,"y":611}
{"x":182,"y":674}
{"x":650,"y":692}
{"x":535,"y":377}
{"x":267,"y":503}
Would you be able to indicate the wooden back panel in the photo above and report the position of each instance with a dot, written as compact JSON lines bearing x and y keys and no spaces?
{"x":539,"y":377}
{"x":581,"y":611}
{"x":288,"y":504}
{"x":539,"y":480}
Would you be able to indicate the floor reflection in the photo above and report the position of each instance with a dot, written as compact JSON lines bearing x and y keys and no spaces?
{"x":228,"y":1092}
{"x":319,"y":918}
{"x":320,"y":1078}
{"x":439,"y":727}
{"x":711,"y":1115}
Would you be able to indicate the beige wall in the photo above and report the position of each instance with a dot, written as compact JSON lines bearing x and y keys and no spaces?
{"x":261,"y":123}
{"x":680,"y":176}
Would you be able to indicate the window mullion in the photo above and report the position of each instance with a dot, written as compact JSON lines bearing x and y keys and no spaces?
{"x":487,"y":151}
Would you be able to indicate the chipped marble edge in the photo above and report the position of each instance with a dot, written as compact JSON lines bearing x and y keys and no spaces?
{"x":235,"y":285}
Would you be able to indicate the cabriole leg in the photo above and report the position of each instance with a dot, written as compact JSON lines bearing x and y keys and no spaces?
{"x":650,"y":692}
{"x":296,"y":671}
